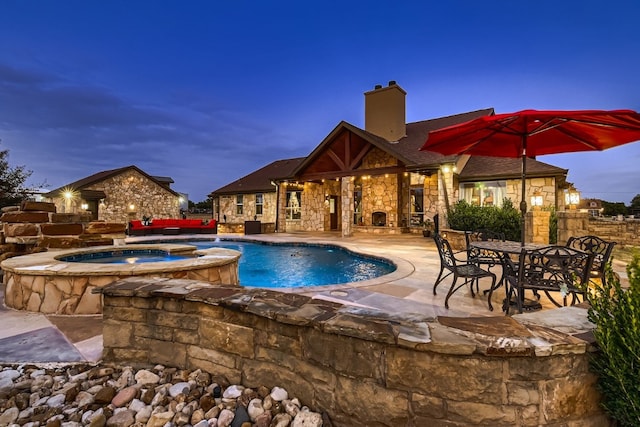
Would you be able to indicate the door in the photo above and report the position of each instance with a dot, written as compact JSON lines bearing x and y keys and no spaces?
{"x":92,"y":206}
{"x":333,"y":213}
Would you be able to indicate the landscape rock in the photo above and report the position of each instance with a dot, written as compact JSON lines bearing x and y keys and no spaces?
{"x":99,"y":396}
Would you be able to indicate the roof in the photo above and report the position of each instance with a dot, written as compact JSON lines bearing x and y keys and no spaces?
{"x":81,"y":184}
{"x":407,"y":149}
{"x":260,"y":180}
{"x":164,"y":179}
{"x":480,"y":168}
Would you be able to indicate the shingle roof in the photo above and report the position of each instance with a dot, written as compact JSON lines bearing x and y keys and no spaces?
{"x":408,"y":148}
{"x":101,"y":176}
{"x":482,"y":168}
{"x":260,"y":180}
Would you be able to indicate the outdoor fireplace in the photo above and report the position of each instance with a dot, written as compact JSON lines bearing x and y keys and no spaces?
{"x":379,"y":219}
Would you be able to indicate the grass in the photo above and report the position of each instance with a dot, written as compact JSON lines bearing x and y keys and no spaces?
{"x":625,"y":254}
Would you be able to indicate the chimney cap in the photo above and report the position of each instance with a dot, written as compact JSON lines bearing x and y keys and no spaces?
{"x":377,"y":87}
{"x":392,"y":83}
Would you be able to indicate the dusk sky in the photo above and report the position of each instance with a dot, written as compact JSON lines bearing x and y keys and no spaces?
{"x":206,"y":92}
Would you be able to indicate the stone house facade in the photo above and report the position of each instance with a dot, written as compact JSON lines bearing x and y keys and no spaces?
{"x":377,"y":180}
{"x":118,"y":195}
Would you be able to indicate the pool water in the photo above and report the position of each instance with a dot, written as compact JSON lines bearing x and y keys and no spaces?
{"x":295,"y":265}
{"x":125,"y":256}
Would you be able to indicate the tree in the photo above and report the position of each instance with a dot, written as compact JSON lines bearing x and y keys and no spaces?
{"x":635,"y":202}
{"x":613,"y":208}
{"x":12,"y":181}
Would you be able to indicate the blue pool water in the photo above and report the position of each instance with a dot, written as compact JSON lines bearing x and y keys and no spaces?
{"x":125,"y":256}
{"x":295,"y":265}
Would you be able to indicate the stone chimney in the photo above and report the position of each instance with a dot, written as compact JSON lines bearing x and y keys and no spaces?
{"x":385,"y":111}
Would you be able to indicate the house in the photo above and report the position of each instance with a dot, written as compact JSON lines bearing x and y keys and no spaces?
{"x":592,"y":206}
{"x":377,"y":180}
{"x":253,"y":197}
{"x":118,"y":195}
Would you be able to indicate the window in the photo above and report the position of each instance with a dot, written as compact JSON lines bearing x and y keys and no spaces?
{"x":293,"y":209}
{"x":486,"y":193}
{"x":417,"y":205}
{"x":259,"y":203}
{"x":239,"y":205}
{"x":357,"y":205}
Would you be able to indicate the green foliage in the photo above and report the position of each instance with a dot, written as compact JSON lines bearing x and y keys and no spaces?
{"x":12,"y":180}
{"x":635,"y":202}
{"x":613,"y":208}
{"x":615,"y":311}
{"x":201,"y":207}
{"x":506,"y":219}
{"x":553,"y":226}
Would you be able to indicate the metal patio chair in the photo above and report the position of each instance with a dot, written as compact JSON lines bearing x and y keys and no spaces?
{"x":551,"y":269}
{"x":458,"y":268}
{"x":601,"y":251}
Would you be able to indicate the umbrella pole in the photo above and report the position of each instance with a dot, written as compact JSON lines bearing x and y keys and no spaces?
{"x":523,"y":200}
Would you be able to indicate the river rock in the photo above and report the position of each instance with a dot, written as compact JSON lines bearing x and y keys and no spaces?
{"x":279,"y":394}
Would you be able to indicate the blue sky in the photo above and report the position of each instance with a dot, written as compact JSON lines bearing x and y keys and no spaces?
{"x":206,"y":91}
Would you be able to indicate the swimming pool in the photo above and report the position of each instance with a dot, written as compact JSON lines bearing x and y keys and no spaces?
{"x":292,"y":265}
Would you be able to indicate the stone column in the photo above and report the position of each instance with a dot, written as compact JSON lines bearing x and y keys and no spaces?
{"x":347,"y":187}
{"x":537,"y":226}
{"x":572,"y":223}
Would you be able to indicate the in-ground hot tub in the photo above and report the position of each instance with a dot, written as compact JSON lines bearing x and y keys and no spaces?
{"x":62,"y":282}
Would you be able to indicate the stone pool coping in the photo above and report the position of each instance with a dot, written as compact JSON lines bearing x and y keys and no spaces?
{"x":48,"y":263}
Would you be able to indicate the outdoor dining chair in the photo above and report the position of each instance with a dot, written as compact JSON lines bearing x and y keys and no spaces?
{"x":562,"y":273}
{"x":458,"y":268}
{"x":601,"y":251}
{"x":483,"y":257}
{"x":479,"y":256}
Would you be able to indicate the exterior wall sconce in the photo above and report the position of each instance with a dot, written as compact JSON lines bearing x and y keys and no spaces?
{"x":536,"y":200}
{"x":449,"y":168}
{"x":571,"y":198}
{"x":84,"y":206}
{"x":132,"y":207}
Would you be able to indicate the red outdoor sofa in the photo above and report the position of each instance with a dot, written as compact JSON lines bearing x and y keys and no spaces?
{"x":172,"y":226}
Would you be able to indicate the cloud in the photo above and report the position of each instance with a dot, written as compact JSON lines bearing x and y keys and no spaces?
{"x":81,"y":129}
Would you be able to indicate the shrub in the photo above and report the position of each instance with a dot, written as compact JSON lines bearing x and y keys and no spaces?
{"x":553,"y":226}
{"x":615,"y":311}
{"x":463,"y":216}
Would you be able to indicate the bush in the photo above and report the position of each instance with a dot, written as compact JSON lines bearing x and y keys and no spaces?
{"x":466,"y":217}
{"x":553,"y":226}
{"x":616,"y":314}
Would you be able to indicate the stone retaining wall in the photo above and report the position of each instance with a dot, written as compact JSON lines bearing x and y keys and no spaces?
{"x":573,"y":223}
{"x":362,"y":366}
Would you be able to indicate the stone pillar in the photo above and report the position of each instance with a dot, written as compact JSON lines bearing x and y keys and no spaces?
{"x":537,"y":226}
{"x":347,"y":187}
{"x":281,"y":209}
{"x":572,"y":223}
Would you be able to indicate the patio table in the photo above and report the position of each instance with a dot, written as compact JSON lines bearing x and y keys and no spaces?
{"x":507,"y":248}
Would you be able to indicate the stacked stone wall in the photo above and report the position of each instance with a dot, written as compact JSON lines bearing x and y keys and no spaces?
{"x":36,"y":226}
{"x":362,"y":367}
{"x":624,"y":232}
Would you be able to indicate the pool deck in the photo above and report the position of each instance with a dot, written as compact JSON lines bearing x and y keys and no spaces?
{"x":27,"y":337}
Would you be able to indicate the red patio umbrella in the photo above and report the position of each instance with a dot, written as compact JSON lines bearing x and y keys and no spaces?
{"x":531,"y":133}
